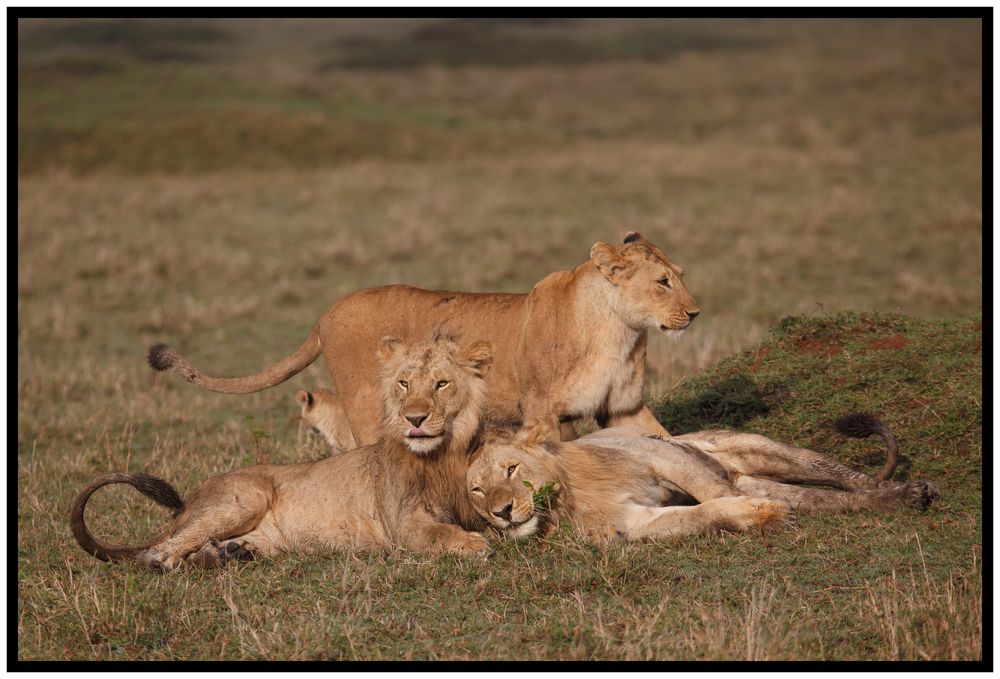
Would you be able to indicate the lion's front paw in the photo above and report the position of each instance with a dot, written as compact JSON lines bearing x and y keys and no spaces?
{"x":471,"y":544}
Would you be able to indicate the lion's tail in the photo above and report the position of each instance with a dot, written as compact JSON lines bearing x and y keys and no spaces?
{"x":162,"y":357}
{"x":157,"y":489}
{"x":863,"y":425}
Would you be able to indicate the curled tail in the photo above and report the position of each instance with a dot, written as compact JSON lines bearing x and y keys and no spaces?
{"x":158,"y":490}
{"x":863,"y":425}
{"x":162,"y":357}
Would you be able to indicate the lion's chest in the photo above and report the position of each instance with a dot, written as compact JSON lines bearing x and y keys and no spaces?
{"x":602,"y":383}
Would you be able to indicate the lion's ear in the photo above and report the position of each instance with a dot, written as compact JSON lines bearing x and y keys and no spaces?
{"x":606,"y":258}
{"x":633,"y":236}
{"x":478,"y":356}
{"x":388,"y":347}
{"x":304,"y":398}
{"x":534,"y":431}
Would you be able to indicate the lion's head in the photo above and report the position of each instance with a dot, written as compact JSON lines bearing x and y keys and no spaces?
{"x":514,"y":482}
{"x":432,"y":392}
{"x":650,"y":292}
{"x":323,"y":415}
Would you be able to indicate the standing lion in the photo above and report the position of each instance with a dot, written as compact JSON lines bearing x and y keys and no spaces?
{"x":574,"y":346}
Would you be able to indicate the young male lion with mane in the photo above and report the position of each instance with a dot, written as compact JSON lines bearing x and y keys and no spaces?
{"x":406,"y":490}
{"x":619,"y":482}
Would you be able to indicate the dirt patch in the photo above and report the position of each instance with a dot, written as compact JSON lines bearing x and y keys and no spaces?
{"x":758,"y":358}
{"x":815,"y":346}
{"x":894,"y":342}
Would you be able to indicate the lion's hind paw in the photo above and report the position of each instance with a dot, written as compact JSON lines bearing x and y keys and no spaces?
{"x":919,"y":494}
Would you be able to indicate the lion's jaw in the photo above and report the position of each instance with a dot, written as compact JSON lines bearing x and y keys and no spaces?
{"x":421,"y":443}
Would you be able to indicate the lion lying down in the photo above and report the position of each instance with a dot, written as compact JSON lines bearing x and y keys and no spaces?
{"x":618,"y":482}
{"x":406,"y":490}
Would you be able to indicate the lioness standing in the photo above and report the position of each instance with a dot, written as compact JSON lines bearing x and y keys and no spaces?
{"x":574,"y":346}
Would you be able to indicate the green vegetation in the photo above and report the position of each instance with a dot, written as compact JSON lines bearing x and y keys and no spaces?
{"x":217,"y":184}
{"x":542,"y":497}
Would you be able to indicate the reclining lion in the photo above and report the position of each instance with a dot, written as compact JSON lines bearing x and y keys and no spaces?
{"x":408,"y":489}
{"x":574,"y":346}
{"x":618,"y":482}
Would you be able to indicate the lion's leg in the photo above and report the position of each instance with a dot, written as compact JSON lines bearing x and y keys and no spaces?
{"x":697,"y":474}
{"x":422,"y":533}
{"x":642,"y":418}
{"x":915,"y":494}
{"x":727,"y":513}
{"x":685,"y":466}
{"x":755,"y":455}
{"x":225,"y":507}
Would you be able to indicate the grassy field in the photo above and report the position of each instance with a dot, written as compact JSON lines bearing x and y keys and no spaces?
{"x":216,"y":184}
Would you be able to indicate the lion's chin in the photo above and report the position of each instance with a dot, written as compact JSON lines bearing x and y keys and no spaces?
{"x":674,"y":333}
{"x":423,"y":445}
{"x":524,"y":530}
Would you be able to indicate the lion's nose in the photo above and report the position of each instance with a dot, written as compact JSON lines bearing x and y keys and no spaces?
{"x":416,"y":420}
{"x":505,"y":512}
{"x":693,"y":314}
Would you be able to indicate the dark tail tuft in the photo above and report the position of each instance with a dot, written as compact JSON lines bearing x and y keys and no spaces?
{"x":859,"y":425}
{"x":863,"y":425}
{"x":159,"y":491}
{"x":160,"y":356}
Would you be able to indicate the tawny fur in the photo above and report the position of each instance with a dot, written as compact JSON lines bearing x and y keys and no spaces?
{"x":407,"y":490}
{"x":575,"y":345}
{"x":618,"y":482}
{"x":323,"y":414}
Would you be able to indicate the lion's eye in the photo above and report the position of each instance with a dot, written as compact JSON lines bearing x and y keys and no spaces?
{"x":404,"y":384}
{"x":441,"y":384}
{"x":477,"y":489}
{"x":510,"y":470}
{"x":665,"y":282}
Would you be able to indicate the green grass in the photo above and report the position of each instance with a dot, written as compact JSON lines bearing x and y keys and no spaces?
{"x":218,"y":184}
{"x":866,"y":586}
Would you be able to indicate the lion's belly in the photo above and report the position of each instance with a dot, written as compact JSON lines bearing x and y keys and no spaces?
{"x":323,"y":508}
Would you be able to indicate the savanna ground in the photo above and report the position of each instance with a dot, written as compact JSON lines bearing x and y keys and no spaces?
{"x":216,"y":184}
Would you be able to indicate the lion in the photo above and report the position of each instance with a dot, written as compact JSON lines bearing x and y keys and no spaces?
{"x":323,"y":415}
{"x":618,"y":482}
{"x":573,"y":346}
{"x":406,"y":490}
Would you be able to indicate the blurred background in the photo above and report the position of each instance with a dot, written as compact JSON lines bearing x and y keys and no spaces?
{"x":216,"y":184}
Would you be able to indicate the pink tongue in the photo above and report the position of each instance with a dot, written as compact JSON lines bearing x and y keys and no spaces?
{"x":416,"y":431}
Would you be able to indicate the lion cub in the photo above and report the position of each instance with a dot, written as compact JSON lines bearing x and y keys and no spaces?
{"x":322,"y":414}
{"x":617,"y":482}
{"x":406,"y":490}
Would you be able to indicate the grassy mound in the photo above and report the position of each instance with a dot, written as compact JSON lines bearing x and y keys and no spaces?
{"x":921,"y":377}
